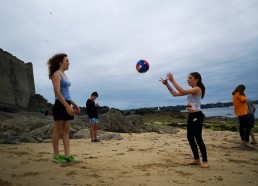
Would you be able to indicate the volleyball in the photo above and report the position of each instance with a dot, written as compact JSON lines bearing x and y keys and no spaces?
{"x":142,"y":66}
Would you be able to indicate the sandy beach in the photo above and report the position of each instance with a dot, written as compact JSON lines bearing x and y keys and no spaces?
{"x":139,"y":159}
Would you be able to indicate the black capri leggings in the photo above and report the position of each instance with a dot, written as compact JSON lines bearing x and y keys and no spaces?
{"x":194,"y":134}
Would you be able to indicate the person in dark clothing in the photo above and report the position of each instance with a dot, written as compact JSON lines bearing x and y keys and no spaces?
{"x":251,"y":111}
{"x":46,"y":112}
{"x":92,"y":112}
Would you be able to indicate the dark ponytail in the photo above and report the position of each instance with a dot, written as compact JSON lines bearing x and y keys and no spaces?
{"x":198,"y":76}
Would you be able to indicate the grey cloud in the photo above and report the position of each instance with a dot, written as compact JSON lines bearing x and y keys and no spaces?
{"x":104,"y":40}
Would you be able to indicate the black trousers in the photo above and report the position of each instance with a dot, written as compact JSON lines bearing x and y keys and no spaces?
{"x":194,"y":134}
{"x":244,"y":128}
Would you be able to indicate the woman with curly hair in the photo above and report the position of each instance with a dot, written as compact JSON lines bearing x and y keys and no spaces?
{"x":64,"y":107}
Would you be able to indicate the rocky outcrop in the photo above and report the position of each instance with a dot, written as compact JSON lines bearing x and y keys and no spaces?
{"x":115,"y":121}
{"x":173,"y":113}
{"x":35,"y":127}
{"x":37,"y":103}
{"x":16,"y":80}
{"x":101,"y":110}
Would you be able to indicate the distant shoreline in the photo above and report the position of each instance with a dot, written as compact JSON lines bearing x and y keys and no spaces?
{"x":182,"y":107}
{"x":223,"y":112}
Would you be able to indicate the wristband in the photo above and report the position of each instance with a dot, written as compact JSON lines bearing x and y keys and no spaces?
{"x":169,"y":88}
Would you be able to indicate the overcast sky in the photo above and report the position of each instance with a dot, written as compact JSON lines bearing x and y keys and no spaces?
{"x":105,"y":38}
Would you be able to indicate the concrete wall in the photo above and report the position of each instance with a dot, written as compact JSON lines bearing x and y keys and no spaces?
{"x":16,"y":81}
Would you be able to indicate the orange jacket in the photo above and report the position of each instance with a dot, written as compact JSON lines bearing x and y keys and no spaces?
{"x":240,"y":104}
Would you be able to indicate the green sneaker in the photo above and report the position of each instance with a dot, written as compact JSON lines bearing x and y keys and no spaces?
{"x":70,"y":159}
{"x":59,"y":159}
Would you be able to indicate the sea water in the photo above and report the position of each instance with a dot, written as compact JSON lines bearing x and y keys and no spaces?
{"x":224,"y":112}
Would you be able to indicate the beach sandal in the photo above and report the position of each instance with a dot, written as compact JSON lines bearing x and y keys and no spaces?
{"x":253,"y":142}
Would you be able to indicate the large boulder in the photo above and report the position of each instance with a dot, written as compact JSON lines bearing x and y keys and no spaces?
{"x":110,"y":136}
{"x":39,"y":104}
{"x":137,"y":122}
{"x":83,"y":133}
{"x":115,"y":121}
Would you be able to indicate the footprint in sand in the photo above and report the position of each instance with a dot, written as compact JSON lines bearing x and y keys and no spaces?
{"x":41,"y":159}
{"x":25,"y":174}
{"x":6,"y":183}
{"x":71,"y":173}
{"x":218,"y":178}
{"x":182,"y":173}
{"x":91,"y":157}
{"x":44,"y":153}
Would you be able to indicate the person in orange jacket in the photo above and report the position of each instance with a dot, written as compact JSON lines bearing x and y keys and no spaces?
{"x":241,"y":111}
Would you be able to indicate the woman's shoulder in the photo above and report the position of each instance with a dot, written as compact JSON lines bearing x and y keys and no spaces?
{"x":56,"y":74}
{"x":56,"y":77}
{"x":197,"y":91}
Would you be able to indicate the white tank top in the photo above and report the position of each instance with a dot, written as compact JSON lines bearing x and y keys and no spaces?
{"x":193,"y":103}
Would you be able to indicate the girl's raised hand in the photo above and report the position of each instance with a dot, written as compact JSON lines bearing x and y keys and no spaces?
{"x":170,"y":77}
{"x":164,"y":81}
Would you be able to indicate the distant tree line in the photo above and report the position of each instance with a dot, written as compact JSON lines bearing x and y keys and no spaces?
{"x":182,"y":107}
